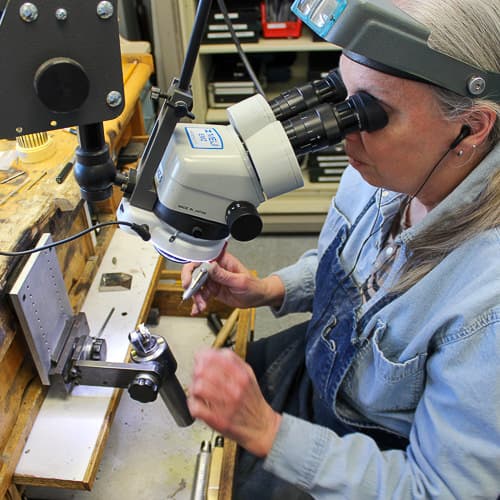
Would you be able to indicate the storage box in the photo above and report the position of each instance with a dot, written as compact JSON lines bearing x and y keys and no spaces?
{"x":279,"y":29}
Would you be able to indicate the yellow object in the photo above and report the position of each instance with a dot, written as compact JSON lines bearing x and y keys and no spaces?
{"x":215,"y":469}
{"x":34,"y":148}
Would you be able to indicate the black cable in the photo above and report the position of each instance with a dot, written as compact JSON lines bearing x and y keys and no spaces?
{"x":141,"y":230}
{"x":246,"y":62}
{"x":428,"y":176}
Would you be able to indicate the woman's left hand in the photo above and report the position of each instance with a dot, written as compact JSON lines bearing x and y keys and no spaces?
{"x":225,"y":394}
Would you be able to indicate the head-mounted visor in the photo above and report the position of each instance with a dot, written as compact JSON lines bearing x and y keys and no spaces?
{"x":378,"y":34}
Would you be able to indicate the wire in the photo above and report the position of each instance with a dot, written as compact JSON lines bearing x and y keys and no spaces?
{"x":246,"y":62}
{"x":373,"y":231}
{"x":141,"y":230}
{"x":428,"y":176}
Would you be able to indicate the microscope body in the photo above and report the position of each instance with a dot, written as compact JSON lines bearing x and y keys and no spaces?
{"x":209,"y":183}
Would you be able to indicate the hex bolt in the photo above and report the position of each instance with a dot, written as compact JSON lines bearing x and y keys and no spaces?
{"x":114,"y":99}
{"x":476,"y":85}
{"x":105,"y":9}
{"x":61,"y":14}
{"x":28,"y":12}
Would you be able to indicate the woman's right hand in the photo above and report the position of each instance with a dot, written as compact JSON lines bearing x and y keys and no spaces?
{"x":232,"y":283}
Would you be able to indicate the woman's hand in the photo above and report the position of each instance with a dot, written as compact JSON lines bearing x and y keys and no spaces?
{"x":232,"y":283}
{"x":225,"y":395}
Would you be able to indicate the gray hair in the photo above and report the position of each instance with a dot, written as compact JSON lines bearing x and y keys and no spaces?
{"x":467,"y":30}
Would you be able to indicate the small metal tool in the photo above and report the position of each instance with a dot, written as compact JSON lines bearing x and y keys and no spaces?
{"x":15,"y":191}
{"x":38,"y":179}
{"x":198,"y":279}
{"x":106,"y":321}
{"x":12,"y":177}
{"x":202,"y":469}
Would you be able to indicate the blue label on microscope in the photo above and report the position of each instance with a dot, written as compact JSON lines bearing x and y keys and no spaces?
{"x":204,"y":138}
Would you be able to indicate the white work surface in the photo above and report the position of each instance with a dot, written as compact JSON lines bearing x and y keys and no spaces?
{"x":68,"y":430}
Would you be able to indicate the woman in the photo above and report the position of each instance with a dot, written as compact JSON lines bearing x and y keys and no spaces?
{"x":400,"y":395}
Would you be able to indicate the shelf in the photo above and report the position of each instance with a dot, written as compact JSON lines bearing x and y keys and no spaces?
{"x":300,"y":211}
{"x":304,"y":43}
{"x":272,"y":90}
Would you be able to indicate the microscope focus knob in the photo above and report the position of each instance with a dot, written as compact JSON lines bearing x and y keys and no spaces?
{"x":143,"y":388}
{"x":243,"y":220}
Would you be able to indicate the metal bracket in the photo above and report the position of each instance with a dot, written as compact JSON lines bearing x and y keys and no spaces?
{"x":42,"y":305}
{"x":55,"y":47}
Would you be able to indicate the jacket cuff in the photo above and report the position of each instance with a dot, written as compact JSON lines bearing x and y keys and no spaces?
{"x":298,"y":451}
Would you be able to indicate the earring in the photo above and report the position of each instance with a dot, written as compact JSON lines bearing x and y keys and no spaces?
{"x":460,"y":153}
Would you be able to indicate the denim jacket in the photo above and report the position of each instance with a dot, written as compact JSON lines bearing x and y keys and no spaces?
{"x":428,"y":367}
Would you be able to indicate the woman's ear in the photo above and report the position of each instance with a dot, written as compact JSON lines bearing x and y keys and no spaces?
{"x":481,"y":121}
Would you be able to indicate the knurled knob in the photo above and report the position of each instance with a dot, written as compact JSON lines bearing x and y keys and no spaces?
{"x":156,"y":93}
{"x":143,"y":388}
{"x":243,"y":220}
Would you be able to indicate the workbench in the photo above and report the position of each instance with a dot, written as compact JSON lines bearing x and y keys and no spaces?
{"x":49,"y":440}
{"x":40,"y":205}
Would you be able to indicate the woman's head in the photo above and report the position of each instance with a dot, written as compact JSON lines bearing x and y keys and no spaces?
{"x":423,"y":120}
{"x":468,"y":30}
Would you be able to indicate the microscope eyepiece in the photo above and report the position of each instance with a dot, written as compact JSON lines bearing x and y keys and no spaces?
{"x":328,"y":124}
{"x":296,"y":100}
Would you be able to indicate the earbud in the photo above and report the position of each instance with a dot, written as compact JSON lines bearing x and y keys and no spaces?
{"x":465,"y":131}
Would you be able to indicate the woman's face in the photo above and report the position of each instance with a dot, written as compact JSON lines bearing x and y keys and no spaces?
{"x":401,"y":155}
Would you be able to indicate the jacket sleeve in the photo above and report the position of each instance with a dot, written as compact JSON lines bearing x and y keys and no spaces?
{"x":454,"y":450}
{"x":299,"y":281}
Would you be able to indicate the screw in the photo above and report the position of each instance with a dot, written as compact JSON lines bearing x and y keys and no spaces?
{"x":156,"y":93}
{"x":28,"y":12}
{"x":61,"y":14}
{"x":114,"y":99}
{"x":105,"y":9}
{"x":476,"y":85}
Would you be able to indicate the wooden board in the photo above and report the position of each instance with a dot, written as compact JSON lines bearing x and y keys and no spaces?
{"x":67,"y":438}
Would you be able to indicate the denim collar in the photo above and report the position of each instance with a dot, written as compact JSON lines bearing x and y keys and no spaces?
{"x":466,"y":192}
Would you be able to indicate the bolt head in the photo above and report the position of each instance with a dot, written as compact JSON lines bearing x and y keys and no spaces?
{"x":114,"y":99}
{"x":105,"y":9}
{"x":61,"y":14}
{"x":476,"y":85}
{"x":28,"y":12}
